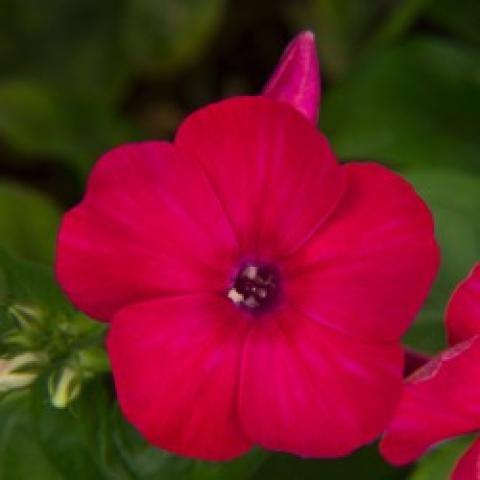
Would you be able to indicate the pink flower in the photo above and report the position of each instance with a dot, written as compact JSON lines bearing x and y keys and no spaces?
{"x":256,"y":288}
{"x":296,"y":79}
{"x":442,"y":399}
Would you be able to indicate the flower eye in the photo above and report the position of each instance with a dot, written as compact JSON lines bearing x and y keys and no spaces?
{"x":256,"y":287}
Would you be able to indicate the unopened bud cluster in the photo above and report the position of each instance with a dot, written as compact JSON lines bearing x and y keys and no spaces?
{"x":65,"y":349}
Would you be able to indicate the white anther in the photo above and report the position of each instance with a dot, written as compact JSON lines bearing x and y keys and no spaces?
{"x":250,"y":272}
{"x":234,"y":296}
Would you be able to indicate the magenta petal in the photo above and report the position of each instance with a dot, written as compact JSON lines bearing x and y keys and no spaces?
{"x":175,"y":363}
{"x":296,"y":79}
{"x":463,"y":312}
{"x":468,"y":467}
{"x":440,"y":401}
{"x":149,"y":226}
{"x":274,"y":173}
{"x":370,"y":266}
{"x":310,"y":391}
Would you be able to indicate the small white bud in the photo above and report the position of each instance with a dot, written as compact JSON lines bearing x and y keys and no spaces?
{"x":64,"y":387}
{"x":18,"y":371}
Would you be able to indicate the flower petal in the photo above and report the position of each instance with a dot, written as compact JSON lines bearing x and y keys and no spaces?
{"x":273,"y":171}
{"x":369,"y":268}
{"x":310,"y":391}
{"x":468,"y":467}
{"x":149,"y":226}
{"x":463,"y":311}
{"x":296,"y":80}
{"x":175,"y":363}
{"x":440,"y":401}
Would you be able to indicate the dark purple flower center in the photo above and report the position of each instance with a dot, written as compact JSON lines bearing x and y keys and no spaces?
{"x":256,"y":287}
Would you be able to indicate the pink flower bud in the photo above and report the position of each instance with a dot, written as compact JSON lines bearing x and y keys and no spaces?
{"x":296,"y":80}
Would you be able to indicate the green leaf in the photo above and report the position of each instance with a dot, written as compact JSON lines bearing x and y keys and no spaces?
{"x":85,"y":442}
{"x":31,"y":121}
{"x":64,"y":435}
{"x":461,"y":18}
{"x":27,"y":283}
{"x":151,"y":463}
{"x":413,"y":104}
{"x":242,"y":468}
{"x":72,"y":46}
{"x":162,"y":36}
{"x":341,"y":28}
{"x":21,"y":456}
{"x":36,"y":121}
{"x":454,"y":198}
{"x":365,"y":464}
{"x":28,"y":222}
{"x":348,"y":29}
{"x":36,"y":316}
{"x":438,"y":464}
{"x":403,"y":16}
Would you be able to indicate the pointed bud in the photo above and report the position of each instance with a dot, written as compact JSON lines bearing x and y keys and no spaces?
{"x":16,"y":338}
{"x":20,"y":371}
{"x":296,"y":80}
{"x":25,"y":316}
{"x":64,"y":387}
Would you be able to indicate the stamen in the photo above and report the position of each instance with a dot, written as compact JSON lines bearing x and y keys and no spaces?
{"x":234,"y":296}
{"x":256,"y":287}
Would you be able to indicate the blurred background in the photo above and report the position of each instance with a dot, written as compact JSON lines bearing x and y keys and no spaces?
{"x":401,"y":86}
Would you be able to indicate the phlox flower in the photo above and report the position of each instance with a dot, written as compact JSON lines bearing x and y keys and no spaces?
{"x":256,"y":289}
{"x":441,"y":400}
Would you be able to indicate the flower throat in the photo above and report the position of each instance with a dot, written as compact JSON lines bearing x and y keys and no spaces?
{"x":256,"y":287}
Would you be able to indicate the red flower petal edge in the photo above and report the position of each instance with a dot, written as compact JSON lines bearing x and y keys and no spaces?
{"x":440,"y":401}
{"x":274,"y":173}
{"x":116,"y":249}
{"x":468,"y":467}
{"x":301,"y":384}
{"x":463,"y":311}
{"x":356,"y":272}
